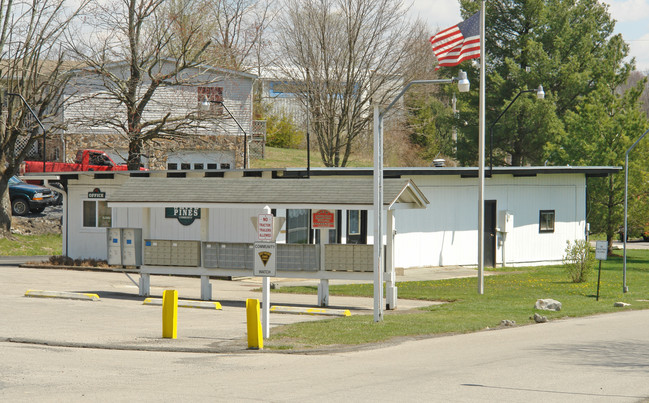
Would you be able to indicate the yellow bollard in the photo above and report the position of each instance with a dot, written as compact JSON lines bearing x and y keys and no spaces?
{"x":255,"y":339}
{"x":169,"y":314}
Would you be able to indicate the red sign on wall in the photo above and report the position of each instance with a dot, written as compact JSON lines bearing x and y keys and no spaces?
{"x":323,"y":219}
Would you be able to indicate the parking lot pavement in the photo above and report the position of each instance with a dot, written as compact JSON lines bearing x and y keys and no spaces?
{"x":119,"y":320}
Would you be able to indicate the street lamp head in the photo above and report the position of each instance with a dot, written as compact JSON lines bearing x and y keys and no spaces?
{"x":463,"y":82}
{"x":205,"y":104}
{"x":540,"y":94}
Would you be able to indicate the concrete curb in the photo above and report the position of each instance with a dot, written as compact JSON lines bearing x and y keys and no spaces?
{"x":310,"y":311}
{"x":234,"y":349}
{"x":62,"y":294}
{"x":79,"y":268}
{"x":186,"y":304}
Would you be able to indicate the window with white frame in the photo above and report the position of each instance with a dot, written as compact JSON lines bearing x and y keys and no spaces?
{"x":96,"y":213}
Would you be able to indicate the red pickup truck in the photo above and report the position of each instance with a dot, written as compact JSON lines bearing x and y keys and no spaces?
{"x":86,"y":160}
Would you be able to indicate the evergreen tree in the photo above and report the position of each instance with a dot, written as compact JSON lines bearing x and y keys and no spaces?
{"x":566,"y":46}
{"x":599,"y":132}
{"x":591,"y":114}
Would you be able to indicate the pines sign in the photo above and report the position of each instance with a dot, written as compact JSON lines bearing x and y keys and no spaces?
{"x":184,"y":215}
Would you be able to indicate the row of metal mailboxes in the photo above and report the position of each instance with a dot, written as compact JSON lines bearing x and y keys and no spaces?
{"x":292,"y":257}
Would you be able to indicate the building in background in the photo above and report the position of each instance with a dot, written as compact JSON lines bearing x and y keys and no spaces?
{"x":215,"y":141}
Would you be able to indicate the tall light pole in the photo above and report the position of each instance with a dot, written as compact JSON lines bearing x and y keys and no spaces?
{"x":540,"y":94}
{"x":207,"y":102}
{"x":463,"y":86}
{"x":13,"y":94}
{"x":626,"y":192}
{"x":481,"y":134}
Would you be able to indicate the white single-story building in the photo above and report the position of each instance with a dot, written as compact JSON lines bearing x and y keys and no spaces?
{"x":530,"y":214}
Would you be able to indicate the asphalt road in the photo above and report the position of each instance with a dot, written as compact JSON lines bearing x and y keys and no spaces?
{"x":635,"y":244}
{"x":598,"y":359}
{"x":111,"y":350}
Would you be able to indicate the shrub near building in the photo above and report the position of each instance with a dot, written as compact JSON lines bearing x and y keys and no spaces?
{"x":578,"y":260}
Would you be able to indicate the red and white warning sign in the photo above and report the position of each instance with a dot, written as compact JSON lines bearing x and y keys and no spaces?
{"x":323,"y":219}
{"x":265,"y":227}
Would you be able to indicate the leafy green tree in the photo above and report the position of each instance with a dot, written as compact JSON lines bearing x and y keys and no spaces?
{"x":587,"y":117}
{"x":565,"y":45}
{"x":524,"y":132}
{"x":428,"y":120}
{"x":598,"y":132}
{"x":634,"y":78}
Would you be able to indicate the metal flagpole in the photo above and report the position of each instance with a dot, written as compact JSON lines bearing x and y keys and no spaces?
{"x":378,"y":215}
{"x":481,"y":143}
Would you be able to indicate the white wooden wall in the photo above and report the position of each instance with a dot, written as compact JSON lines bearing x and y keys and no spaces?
{"x":86,"y":242}
{"x":232,"y":225}
{"x":446,"y":232}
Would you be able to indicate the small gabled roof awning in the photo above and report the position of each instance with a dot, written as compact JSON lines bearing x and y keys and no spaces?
{"x":330,"y":193}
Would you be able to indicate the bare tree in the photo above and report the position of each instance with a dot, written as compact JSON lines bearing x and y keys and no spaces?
{"x":342,"y":57}
{"x":237,"y":29}
{"x":32,"y":70}
{"x":140,"y":47}
{"x":234,"y":28}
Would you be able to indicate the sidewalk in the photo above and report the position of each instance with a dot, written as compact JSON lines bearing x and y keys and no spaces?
{"x":120,"y":320}
{"x":410,"y":274}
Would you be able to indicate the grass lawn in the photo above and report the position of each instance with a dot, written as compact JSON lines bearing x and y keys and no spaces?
{"x":291,"y":158}
{"x":508,"y":296}
{"x":31,"y":245}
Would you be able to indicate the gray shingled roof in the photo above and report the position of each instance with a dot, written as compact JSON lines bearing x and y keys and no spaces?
{"x":273,"y":192}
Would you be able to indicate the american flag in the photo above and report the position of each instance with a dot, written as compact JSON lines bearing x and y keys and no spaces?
{"x":458,"y":43}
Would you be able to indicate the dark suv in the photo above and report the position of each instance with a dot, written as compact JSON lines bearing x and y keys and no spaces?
{"x":26,"y":198}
